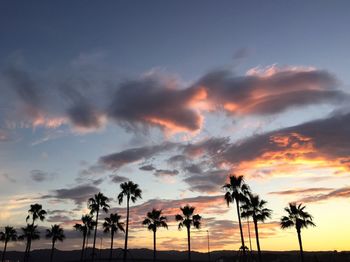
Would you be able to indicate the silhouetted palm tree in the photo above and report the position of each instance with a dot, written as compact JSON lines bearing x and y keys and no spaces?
{"x":10,"y":234}
{"x":299,"y":219}
{"x":154,"y":220}
{"x":95,"y":204}
{"x":85,"y":228}
{"x":56,"y":233}
{"x":35,"y":212}
{"x":132,"y":192}
{"x":236,"y":190}
{"x":255,"y":207}
{"x":30,"y":233}
{"x":112,"y":224}
{"x":187,"y":219}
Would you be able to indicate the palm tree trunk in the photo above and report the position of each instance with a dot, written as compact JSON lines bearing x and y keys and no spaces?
{"x":111,"y":251}
{"x":82,"y":249}
{"x":52,"y":249}
{"x":93,"y":246}
{"x":240,"y":228}
{"x":301,"y":246}
{"x":3,"y":252}
{"x":86,"y":246}
{"x":154,"y":246}
{"x":250,"y":239}
{"x":127,"y":228}
{"x":189,"y":243}
{"x":257,"y":239}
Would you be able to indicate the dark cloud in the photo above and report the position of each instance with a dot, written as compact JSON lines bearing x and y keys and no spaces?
{"x":272,"y":91}
{"x":343,"y":192}
{"x":118,"y":179}
{"x":85,"y":115}
{"x":40,"y":175}
{"x":78,"y":194}
{"x":147,"y":168}
{"x":155,"y":102}
{"x":58,"y":219}
{"x":117,"y":160}
{"x":165,"y":172}
{"x":9,"y":178}
{"x":209,"y":181}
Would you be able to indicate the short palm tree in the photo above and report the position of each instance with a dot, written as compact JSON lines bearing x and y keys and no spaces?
{"x":130,"y":191}
{"x":35,"y":212}
{"x":255,"y":207}
{"x":299,"y":219}
{"x":154,"y":220}
{"x":187,"y":219}
{"x":10,"y":234}
{"x":30,"y":233}
{"x":236,"y":190}
{"x":85,"y":228}
{"x":112,"y":224}
{"x":56,"y":233}
{"x":95,"y":204}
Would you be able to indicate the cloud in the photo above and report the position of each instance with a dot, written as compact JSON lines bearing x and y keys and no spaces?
{"x":343,"y":192}
{"x":78,"y":194}
{"x":165,"y":172}
{"x":147,"y":168}
{"x":118,"y":179}
{"x":302,"y":149}
{"x":154,"y":101}
{"x":40,"y":175}
{"x":301,"y":191}
{"x":88,"y":99}
{"x":269,"y":91}
{"x":117,"y":160}
{"x":209,"y":181}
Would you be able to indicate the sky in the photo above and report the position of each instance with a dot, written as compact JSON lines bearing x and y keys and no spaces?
{"x":176,"y":96}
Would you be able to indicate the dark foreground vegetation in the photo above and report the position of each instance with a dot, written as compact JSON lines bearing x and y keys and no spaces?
{"x":147,"y":255}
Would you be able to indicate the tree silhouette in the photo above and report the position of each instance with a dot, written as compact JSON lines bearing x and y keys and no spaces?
{"x":236,"y":190}
{"x":112,"y":224}
{"x":56,"y":233}
{"x":30,"y":233}
{"x":130,"y":191}
{"x":187,"y":219}
{"x":95,"y":204}
{"x":35,"y":212}
{"x":299,"y":219}
{"x":10,"y":234}
{"x":255,"y":207}
{"x":85,"y":228}
{"x":153,"y":221}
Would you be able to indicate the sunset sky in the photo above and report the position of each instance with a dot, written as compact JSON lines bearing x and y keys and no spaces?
{"x":175,"y":96}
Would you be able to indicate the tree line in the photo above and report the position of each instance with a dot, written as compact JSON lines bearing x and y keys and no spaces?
{"x":237,"y":191}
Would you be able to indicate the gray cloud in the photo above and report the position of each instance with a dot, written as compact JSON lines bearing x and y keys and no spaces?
{"x":40,"y":175}
{"x":118,"y":179}
{"x":165,"y":172}
{"x":147,"y":168}
{"x":343,"y":192}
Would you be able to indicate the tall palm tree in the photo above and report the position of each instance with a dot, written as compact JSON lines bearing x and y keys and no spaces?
{"x":130,"y":191}
{"x":35,"y":212}
{"x":112,"y":224}
{"x":29,"y":233}
{"x":95,"y":204}
{"x":85,"y":228}
{"x":154,"y":220}
{"x":236,"y":190}
{"x":10,"y":234}
{"x":299,"y":219}
{"x":187,"y":219}
{"x":56,"y":233}
{"x":255,"y":207}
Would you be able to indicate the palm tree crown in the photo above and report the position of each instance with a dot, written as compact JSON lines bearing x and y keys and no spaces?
{"x":36,"y":212}
{"x":113,"y":224}
{"x":30,"y":232}
{"x":255,"y":207}
{"x":129,"y":190}
{"x":56,"y":233}
{"x":297,"y":217}
{"x":154,"y":220}
{"x":187,"y":218}
{"x":99,"y":201}
{"x":236,"y":189}
{"x":10,"y":234}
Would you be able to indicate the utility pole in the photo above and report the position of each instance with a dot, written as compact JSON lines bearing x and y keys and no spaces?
{"x":208,"y":246}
